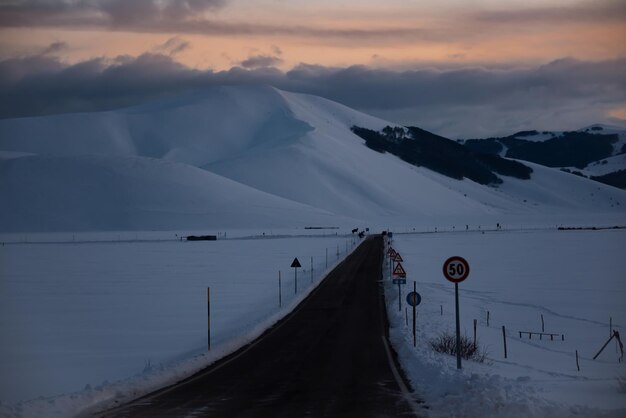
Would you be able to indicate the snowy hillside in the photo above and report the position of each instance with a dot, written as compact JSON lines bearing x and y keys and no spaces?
{"x":597,"y":152}
{"x":292,"y":160}
{"x":107,"y":193}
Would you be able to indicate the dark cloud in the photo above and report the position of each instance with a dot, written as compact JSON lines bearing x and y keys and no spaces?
{"x":172,"y":47}
{"x":260,"y":61}
{"x":54,"y":48}
{"x":184,"y":16}
{"x":600,"y":11}
{"x":113,"y":13}
{"x":462,"y":102}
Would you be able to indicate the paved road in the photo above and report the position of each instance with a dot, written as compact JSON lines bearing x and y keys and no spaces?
{"x":329,"y":358}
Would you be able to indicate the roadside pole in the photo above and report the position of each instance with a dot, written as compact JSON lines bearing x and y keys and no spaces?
{"x":458,"y":326}
{"x":401,"y":274}
{"x":414,"y":305}
{"x":296,"y":264}
{"x":208,"y":310}
{"x":414,"y":299}
{"x":456,"y":269}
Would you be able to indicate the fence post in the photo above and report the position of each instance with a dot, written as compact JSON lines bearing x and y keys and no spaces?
{"x":475,"y":321}
{"x":577,"y":365}
{"x":543,"y":326}
{"x":487,"y":318}
{"x":504,"y":339}
{"x":208,"y":310}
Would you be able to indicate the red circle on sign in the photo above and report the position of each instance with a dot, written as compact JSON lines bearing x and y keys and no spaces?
{"x":456,"y":269}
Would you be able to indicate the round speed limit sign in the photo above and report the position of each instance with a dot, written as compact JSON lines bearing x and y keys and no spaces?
{"x":456,"y":269}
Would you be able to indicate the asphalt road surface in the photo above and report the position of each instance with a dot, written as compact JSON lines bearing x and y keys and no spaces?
{"x":329,"y":358}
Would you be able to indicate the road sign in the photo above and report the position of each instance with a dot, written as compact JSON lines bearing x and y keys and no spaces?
{"x":389,"y":251}
{"x":399,"y":271}
{"x":398,"y":257}
{"x":399,"y":281}
{"x":413,"y":299}
{"x":456,"y":269}
{"x":393,"y":253}
{"x":295,"y":263}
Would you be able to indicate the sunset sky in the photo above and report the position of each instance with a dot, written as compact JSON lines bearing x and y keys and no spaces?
{"x":458,"y":67}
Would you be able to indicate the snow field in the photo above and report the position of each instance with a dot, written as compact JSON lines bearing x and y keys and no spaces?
{"x":573,"y":278}
{"x":78,"y":320}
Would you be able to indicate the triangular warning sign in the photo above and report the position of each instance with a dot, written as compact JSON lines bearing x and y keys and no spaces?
{"x":398,"y":257}
{"x":392,"y":253}
{"x":296,"y":263}
{"x":399,"y":271}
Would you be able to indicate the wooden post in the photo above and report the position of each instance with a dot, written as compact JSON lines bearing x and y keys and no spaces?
{"x":504,"y":339}
{"x":487,"y":318}
{"x":280,"y":291}
{"x":605,"y":344}
{"x":441,"y":309}
{"x":543,"y":326}
{"x":475,"y":321}
{"x":208,"y":310}
{"x":577,"y":365}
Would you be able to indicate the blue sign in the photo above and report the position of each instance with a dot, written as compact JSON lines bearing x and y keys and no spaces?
{"x":413,"y":299}
{"x":399,"y":281}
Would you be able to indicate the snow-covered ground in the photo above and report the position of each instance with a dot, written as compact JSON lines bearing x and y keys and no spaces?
{"x":575,"y":279}
{"x":96,"y":323}
{"x":79,"y":320}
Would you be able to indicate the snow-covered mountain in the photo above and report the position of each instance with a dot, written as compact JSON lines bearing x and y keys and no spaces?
{"x":597,"y":152}
{"x":250,"y":157}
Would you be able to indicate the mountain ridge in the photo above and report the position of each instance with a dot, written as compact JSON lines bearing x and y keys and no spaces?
{"x":291,"y":159}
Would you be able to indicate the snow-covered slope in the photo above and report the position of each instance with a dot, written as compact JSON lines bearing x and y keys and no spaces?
{"x":107,"y":193}
{"x":162,"y":166}
{"x":597,"y":150}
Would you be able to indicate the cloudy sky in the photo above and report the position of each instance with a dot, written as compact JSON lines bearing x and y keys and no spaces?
{"x":462,"y":68}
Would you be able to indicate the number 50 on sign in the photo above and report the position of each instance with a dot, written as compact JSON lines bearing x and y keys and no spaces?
{"x":456,"y":269}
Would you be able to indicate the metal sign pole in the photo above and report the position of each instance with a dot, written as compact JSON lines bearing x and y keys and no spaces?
{"x":456,"y":269}
{"x":414,"y":305}
{"x":458,"y":327}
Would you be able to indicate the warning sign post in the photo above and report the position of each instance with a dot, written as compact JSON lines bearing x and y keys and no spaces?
{"x":399,"y":278}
